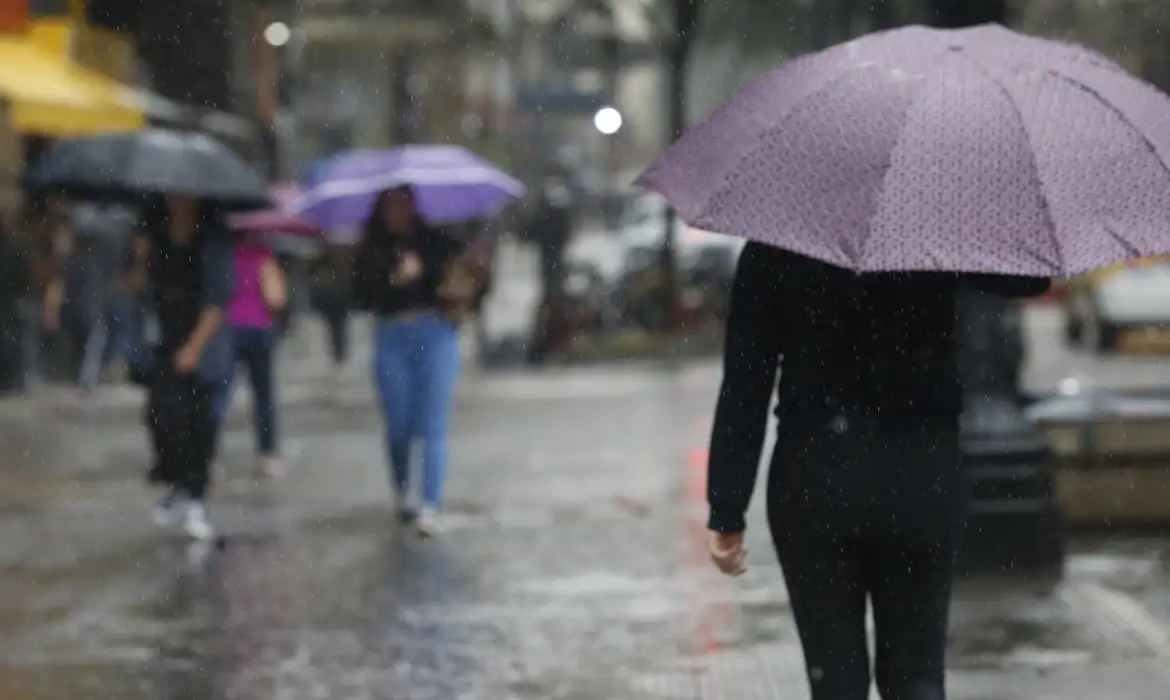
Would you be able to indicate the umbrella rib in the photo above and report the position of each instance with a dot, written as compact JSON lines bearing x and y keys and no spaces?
{"x":1011,"y":100}
{"x":1134,"y":251}
{"x":885,"y":173}
{"x":1087,"y":89}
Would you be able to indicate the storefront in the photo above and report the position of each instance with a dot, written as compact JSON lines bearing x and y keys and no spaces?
{"x":50,"y":95}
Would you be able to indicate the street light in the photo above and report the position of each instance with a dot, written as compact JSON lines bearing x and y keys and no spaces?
{"x":608,"y":121}
{"x":277,"y":34}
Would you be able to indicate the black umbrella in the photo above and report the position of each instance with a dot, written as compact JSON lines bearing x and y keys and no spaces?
{"x":154,"y":161}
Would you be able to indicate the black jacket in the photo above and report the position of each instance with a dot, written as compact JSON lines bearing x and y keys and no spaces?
{"x":879,"y":345}
{"x":376,"y":261}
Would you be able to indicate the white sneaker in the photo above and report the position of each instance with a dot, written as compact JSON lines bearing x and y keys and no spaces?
{"x":167,"y":512}
{"x":195,"y":524}
{"x":407,"y":508}
{"x":427,"y":524}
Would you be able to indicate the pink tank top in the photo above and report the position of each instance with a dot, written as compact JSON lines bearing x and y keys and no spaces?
{"x":247,"y":308}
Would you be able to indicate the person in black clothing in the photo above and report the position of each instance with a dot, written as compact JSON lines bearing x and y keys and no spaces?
{"x":14,"y":284}
{"x":865,"y":492}
{"x":550,"y":229}
{"x":330,"y":292}
{"x":190,"y":277}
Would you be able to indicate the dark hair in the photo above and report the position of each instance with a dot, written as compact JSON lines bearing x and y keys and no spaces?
{"x":374,"y":249}
{"x":374,"y":229}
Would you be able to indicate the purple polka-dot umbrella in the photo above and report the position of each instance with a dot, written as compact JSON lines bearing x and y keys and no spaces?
{"x":974,"y":150}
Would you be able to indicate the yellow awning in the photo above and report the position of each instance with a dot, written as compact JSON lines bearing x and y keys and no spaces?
{"x":50,"y":96}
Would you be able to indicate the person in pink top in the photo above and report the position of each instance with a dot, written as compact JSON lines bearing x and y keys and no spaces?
{"x":260,"y":293}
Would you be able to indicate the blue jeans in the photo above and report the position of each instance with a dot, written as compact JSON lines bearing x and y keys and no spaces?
{"x":255,"y":349}
{"x":416,"y":366}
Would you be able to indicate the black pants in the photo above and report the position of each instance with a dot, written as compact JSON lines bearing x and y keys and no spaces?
{"x":337,"y":321}
{"x":552,"y":270}
{"x":861,"y":511}
{"x":180,"y":417}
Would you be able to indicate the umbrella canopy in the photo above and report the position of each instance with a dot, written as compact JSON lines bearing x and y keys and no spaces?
{"x":154,"y":161}
{"x":978,"y":150}
{"x":450,"y":184}
{"x":279,"y":219}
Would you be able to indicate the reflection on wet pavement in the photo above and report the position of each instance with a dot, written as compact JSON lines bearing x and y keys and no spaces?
{"x":573,"y":568}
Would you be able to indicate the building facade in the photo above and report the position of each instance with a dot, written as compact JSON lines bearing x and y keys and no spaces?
{"x":374,"y":73}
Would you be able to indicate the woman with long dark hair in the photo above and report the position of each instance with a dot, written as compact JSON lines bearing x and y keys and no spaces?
{"x":404,"y":274}
{"x":190,"y":278}
{"x":866,"y":496}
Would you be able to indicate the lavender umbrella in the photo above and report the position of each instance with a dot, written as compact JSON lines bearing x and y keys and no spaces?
{"x":978,"y":150}
{"x":450,"y":184}
{"x":281,"y":219}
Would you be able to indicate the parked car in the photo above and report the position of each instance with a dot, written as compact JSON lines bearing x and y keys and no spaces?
{"x":1102,"y":306}
{"x":642,"y":225}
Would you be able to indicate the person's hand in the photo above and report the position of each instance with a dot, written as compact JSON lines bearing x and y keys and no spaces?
{"x":727,"y":552}
{"x":409,"y":269}
{"x":52,"y":321}
{"x":187,"y":359}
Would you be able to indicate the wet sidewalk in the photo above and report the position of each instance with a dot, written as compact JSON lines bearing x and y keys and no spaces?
{"x":573,"y":567}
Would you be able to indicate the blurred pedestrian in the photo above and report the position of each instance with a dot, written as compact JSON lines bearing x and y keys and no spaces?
{"x":42,"y":271}
{"x":550,"y":228}
{"x":14,"y":281}
{"x":261,"y":292}
{"x":330,"y":293}
{"x":66,"y":321}
{"x":103,"y":234}
{"x":190,"y":277}
{"x":402,"y":273}
{"x":140,"y":317}
{"x":866,"y":495}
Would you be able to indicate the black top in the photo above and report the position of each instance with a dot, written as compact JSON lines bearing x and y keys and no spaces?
{"x":877,"y":345}
{"x":376,"y":261}
{"x":184,"y":280}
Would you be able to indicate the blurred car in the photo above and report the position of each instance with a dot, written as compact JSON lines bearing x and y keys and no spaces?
{"x":1104,"y":305}
{"x":642,"y":225}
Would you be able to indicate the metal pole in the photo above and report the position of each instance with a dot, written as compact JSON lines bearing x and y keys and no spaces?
{"x":613,"y":73}
{"x":267,"y":74}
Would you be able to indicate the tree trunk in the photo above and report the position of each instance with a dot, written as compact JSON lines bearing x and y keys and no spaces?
{"x":189,"y":60}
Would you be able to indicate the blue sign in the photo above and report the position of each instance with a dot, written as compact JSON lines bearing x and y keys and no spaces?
{"x":559,"y":99}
